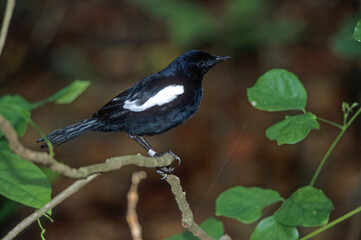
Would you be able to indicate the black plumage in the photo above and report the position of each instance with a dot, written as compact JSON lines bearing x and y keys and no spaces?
{"x":153,"y":105}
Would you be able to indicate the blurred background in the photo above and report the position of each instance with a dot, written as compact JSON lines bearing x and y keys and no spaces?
{"x":116,"y":43}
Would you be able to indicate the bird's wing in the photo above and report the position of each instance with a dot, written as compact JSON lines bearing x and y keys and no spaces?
{"x":113,"y":109}
{"x":136,"y":99}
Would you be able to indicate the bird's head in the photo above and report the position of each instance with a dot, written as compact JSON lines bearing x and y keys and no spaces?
{"x":196,"y":63}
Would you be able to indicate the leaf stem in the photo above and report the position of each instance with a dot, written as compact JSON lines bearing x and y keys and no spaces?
{"x":343,"y":130}
{"x":331,"y":224}
{"x":330,"y":122}
{"x":39,"y":103}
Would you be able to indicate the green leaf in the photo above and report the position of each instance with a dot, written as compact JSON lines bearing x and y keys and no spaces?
{"x":270,"y":229}
{"x":278,"y":90}
{"x":16,"y":110}
{"x":245,"y":204}
{"x":16,"y":100}
{"x":21,"y":180}
{"x":306,"y":207}
{"x":67,"y":94}
{"x":293,"y":129}
{"x":213,"y":227}
{"x":357,"y":32}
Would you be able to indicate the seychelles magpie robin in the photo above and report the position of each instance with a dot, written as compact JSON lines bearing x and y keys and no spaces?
{"x":153,"y":105}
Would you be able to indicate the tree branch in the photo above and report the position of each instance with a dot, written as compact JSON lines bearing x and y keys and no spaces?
{"x":54,"y":202}
{"x":110,"y":164}
{"x":6,"y":22}
{"x":183,"y":205}
{"x":132,"y":217}
{"x":88,"y":172}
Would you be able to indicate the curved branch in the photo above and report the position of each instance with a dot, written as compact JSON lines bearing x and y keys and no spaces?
{"x":54,"y":202}
{"x":183,"y":205}
{"x":110,"y":164}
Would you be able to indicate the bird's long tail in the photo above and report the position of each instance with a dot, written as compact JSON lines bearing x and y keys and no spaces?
{"x":63,"y":135}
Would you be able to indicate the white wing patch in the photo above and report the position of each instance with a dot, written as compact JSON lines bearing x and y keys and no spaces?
{"x":164,"y":96}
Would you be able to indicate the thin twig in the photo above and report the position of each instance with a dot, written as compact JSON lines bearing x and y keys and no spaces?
{"x":183,"y":205}
{"x":54,"y":202}
{"x":45,"y":159}
{"x":6,"y":22}
{"x":132,"y":217}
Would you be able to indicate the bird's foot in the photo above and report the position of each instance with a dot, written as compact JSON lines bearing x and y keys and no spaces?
{"x":164,"y":171}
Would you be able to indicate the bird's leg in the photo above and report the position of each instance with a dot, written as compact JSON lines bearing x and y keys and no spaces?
{"x":161,"y":170}
{"x":142,"y":142}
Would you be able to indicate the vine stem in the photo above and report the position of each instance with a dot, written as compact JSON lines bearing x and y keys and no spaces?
{"x":331,"y":224}
{"x":343,"y":130}
{"x":330,"y":122}
{"x":326,"y":156}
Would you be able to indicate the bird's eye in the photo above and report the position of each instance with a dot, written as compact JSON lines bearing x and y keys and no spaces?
{"x":200,"y":64}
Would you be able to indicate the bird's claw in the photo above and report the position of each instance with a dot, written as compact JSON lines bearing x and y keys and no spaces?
{"x":164,"y":171}
{"x":176,"y":157}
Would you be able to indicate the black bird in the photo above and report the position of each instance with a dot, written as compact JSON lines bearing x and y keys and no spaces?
{"x":153,"y":105}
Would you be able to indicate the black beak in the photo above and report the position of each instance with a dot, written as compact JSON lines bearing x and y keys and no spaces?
{"x":212,"y":62}
{"x":222,"y":58}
